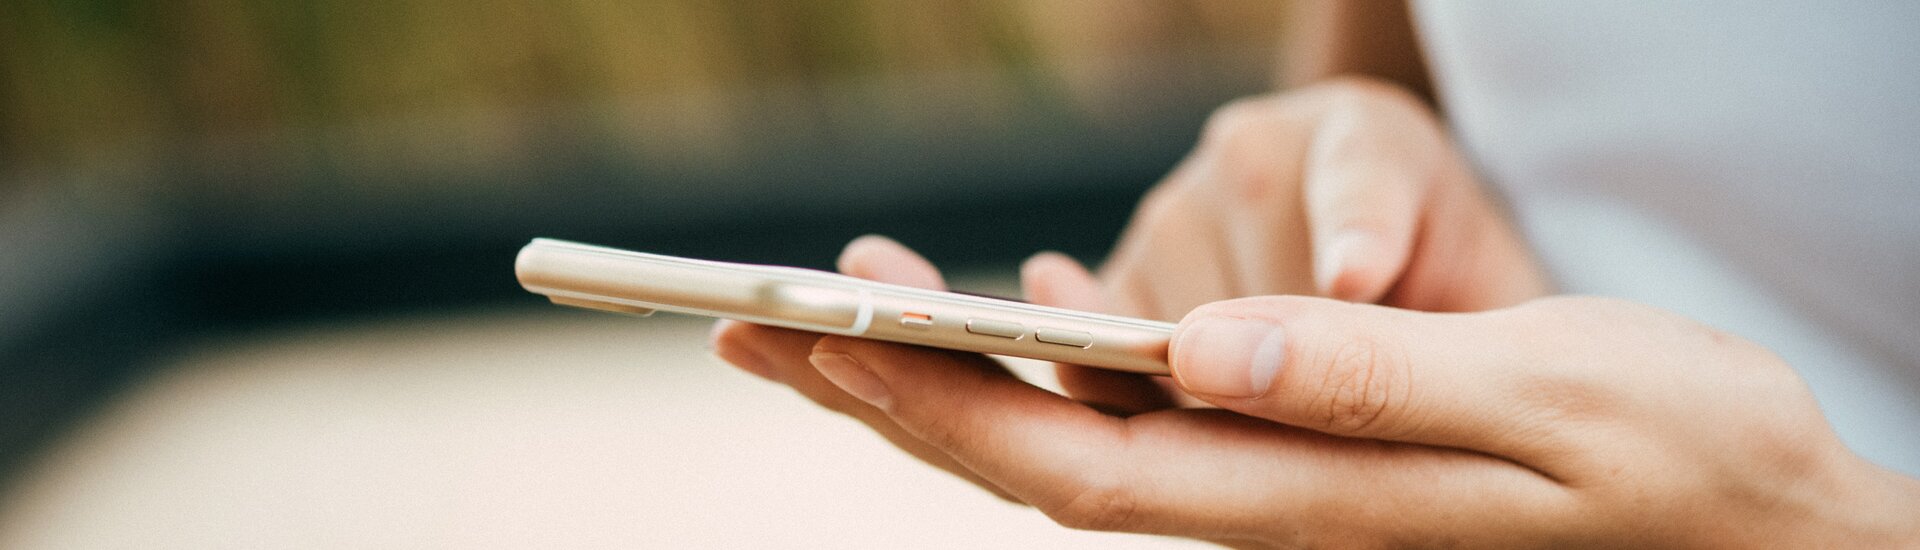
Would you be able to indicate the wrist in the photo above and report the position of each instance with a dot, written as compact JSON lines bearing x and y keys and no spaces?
{"x":1877,"y":508}
{"x":1844,"y":502}
{"x":1903,"y":508}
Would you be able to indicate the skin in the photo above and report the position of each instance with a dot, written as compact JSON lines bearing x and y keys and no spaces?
{"x":1439,"y":397}
{"x":1371,"y":38}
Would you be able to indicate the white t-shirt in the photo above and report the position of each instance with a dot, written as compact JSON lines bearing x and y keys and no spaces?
{"x":1754,"y":164}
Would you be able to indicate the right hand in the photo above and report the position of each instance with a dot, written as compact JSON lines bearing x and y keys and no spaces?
{"x":1349,"y":189}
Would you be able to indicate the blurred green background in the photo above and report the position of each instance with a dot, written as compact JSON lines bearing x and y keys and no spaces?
{"x":170,"y":169}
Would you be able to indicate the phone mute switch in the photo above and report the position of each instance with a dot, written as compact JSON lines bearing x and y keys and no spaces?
{"x":990,"y":327}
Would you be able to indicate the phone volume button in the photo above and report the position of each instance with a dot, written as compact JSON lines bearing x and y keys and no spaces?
{"x":989,"y":327}
{"x":1063,"y":337}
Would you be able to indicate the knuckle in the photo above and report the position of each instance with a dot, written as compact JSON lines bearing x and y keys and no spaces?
{"x":1743,"y":351}
{"x":1363,"y":107}
{"x":1245,"y":143}
{"x":1159,"y":203}
{"x":1239,"y":122}
{"x":1097,"y":505}
{"x":1590,"y":319}
{"x":1233,"y":121}
{"x":1356,"y":91}
{"x":1362,"y":382}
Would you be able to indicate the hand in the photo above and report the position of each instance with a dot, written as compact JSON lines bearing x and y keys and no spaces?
{"x":1349,"y":189}
{"x":1559,"y":422}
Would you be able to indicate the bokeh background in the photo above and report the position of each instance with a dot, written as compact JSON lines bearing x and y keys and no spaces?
{"x":255,"y":283}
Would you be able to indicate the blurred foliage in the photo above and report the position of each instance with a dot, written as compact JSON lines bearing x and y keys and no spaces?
{"x":103,"y":92}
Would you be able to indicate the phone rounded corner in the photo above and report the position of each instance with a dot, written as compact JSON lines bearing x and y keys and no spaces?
{"x":527,"y":264}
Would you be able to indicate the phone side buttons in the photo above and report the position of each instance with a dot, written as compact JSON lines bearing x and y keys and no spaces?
{"x":916,"y":320}
{"x":989,"y":327}
{"x":1063,"y":337}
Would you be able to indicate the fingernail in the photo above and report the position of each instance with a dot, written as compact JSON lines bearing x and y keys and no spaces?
{"x":844,"y":371}
{"x":1229,"y":357}
{"x":1328,"y":263}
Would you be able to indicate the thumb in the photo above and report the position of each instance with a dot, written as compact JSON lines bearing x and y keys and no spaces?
{"x":1359,"y":370}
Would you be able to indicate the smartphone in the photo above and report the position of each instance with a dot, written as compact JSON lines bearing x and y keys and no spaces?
{"x":595,"y":277}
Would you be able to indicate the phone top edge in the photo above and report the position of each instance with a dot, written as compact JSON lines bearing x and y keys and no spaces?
{"x":622,"y":281}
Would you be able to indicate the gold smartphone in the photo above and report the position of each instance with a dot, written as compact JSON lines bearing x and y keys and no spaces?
{"x":622,"y":281}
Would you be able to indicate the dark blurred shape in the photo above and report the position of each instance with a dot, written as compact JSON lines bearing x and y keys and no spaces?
{"x":168,"y":168}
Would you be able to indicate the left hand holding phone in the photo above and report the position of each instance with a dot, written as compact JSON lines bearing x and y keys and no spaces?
{"x":1555,"y":422}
